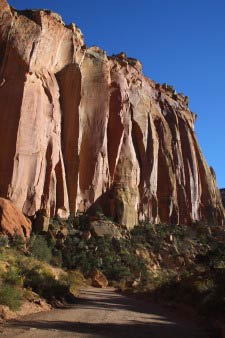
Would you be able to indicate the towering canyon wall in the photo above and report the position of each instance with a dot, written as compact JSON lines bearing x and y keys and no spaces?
{"x":80,"y":129}
{"x":222,"y":191}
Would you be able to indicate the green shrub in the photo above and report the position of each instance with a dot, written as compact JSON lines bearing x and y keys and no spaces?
{"x":12,"y":277}
{"x":56,"y":222}
{"x":3,"y":241}
{"x":39,"y":248}
{"x":18,"y":242}
{"x":43,"y":282}
{"x":56,"y":259}
{"x":75,"y":280}
{"x":10,"y":296}
{"x":204,"y":285}
{"x":115,"y":258}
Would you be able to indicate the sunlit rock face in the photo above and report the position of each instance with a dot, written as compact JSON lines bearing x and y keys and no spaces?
{"x":81,"y":130}
{"x":12,"y":221}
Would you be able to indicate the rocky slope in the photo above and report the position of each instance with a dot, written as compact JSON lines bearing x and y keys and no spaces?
{"x":82,"y":129}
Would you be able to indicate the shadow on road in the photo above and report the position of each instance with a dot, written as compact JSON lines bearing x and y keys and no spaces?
{"x":133,"y":329}
{"x":141,"y":318}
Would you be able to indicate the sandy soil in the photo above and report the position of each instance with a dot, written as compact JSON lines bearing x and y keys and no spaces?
{"x":105,"y":313}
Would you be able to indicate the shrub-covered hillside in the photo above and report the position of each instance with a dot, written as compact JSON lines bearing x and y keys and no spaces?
{"x":176,"y":264}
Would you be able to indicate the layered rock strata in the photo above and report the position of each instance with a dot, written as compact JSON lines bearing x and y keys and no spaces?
{"x":80,"y":129}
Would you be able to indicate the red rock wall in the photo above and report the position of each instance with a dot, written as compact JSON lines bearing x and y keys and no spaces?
{"x":222,"y":192}
{"x":80,"y":129}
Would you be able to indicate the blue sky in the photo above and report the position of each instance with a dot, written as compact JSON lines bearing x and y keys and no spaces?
{"x":181,"y":42}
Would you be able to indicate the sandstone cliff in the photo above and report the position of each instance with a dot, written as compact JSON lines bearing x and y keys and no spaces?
{"x":222,"y":191}
{"x":81,"y":129}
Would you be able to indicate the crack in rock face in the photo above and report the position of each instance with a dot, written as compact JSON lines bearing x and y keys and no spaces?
{"x":83,"y":130}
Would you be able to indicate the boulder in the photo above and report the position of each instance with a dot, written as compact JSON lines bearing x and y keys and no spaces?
{"x":12,"y":221}
{"x":41,"y":222}
{"x":103,"y":228}
{"x":6,"y":314}
{"x":98,"y":279}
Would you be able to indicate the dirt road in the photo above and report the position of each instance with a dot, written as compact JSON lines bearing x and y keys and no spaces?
{"x":105,"y":313}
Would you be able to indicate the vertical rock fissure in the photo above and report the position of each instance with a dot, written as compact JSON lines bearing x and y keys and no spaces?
{"x":139,"y":147}
{"x":164,"y":186}
{"x":188,"y":168}
{"x":115,"y":128}
{"x":69,"y":81}
{"x":46,"y":189}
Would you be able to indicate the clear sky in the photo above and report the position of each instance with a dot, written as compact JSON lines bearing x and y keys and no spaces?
{"x":181,"y":42}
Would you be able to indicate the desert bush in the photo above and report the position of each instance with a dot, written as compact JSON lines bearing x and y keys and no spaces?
{"x":10,"y":296}
{"x":4,"y":241}
{"x":17,"y":242}
{"x":115,"y":258}
{"x":75,"y":280}
{"x":72,"y":222}
{"x":12,"y":277}
{"x":56,"y":222}
{"x":43,"y":282}
{"x":39,"y":248}
{"x":56,"y":259}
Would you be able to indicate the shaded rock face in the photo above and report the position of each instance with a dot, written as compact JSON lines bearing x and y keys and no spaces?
{"x":222,"y":191}
{"x":82,"y":129}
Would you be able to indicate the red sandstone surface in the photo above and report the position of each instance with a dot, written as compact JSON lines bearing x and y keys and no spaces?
{"x":12,"y":221}
{"x":79,"y":128}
